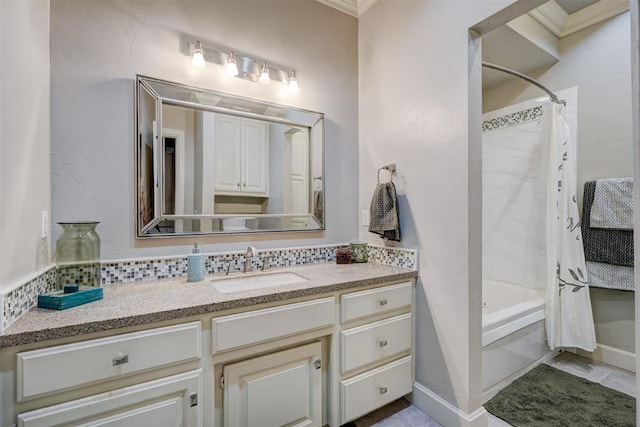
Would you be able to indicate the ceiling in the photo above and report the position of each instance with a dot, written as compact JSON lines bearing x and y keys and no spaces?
{"x":530,"y":42}
{"x":571,"y":6}
{"x":561,"y":10}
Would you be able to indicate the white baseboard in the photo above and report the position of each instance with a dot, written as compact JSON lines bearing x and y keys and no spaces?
{"x":445,"y":412}
{"x":612,"y":356}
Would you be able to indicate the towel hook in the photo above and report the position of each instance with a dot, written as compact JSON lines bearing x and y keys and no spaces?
{"x":391,"y":168}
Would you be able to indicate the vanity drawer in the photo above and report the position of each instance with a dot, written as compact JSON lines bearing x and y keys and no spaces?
{"x":71,"y":365}
{"x":375,"y":301}
{"x":251,"y":327}
{"x":375,"y":341}
{"x":373,"y":389}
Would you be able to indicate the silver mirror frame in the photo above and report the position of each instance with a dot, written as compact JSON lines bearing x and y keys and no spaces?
{"x":314,"y":121}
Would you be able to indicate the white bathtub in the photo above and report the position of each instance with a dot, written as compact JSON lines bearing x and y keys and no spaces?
{"x":513,"y":335}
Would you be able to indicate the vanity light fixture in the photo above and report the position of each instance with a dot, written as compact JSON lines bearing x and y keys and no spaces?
{"x":237,"y":64}
{"x":232,"y":65}
{"x":265,"y":79}
{"x":293,"y":81}
{"x":198,"y":56}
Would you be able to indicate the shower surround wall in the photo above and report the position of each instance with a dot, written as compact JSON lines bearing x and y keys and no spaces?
{"x":514,"y":188}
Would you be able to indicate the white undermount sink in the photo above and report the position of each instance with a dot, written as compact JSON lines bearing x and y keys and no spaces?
{"x":249,"y":283}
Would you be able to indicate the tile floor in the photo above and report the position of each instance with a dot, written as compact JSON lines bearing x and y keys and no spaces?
{"x":401,"y":414}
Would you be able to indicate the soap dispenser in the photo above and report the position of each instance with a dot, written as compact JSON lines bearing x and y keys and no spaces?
{"x":195,"y":265}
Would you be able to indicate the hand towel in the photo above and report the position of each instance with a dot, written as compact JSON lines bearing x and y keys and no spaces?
{"x":318,"y":205}
{"x":613,"y":204}
{"x":604,"y":244}
{"x":384,"y":212}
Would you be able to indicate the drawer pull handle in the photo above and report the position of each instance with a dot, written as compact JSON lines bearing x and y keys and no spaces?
{"x":383,"y":343}
{"x":120,"y":360}
{"x":383,"y":390}
{"x":383,"y":301}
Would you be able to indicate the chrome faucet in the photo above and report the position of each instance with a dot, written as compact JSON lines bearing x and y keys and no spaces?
{"x":248,"y":256}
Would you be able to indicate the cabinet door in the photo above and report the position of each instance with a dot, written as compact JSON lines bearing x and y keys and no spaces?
{"x":170,"y":401}
{"x":255,"y":157}
{"x":227,"y":153}
{"x":279,"y":389}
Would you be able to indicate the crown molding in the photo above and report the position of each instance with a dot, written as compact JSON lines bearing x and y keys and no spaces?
{"x":561,"y":24}
{"x":350,"y":7}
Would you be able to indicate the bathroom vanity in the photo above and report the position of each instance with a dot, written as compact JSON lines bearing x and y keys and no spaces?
{"x":320,"y":351}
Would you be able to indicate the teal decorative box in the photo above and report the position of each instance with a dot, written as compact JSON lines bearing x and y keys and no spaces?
{"x":59,"y":300}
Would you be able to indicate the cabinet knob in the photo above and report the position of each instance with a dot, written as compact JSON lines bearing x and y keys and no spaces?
{"x":383,"y":390}
{"x":383,"y":301}
{"x":244,"y":184}
{"x":238,"y":185}
{"x":120,"y":360}
{"x":383,"y":343}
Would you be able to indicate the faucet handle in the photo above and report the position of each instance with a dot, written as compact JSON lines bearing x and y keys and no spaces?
{"x":227,"y":267}
{"x":266,"y":262}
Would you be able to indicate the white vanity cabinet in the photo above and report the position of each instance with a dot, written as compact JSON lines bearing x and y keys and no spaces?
{"x":285,"y":385}
{"x":241,"y":156}
{"x":282,"y":388}
{"x":170,"y":401}
{"x":315,"y":361}
{"x":376,"y":348}
{"x":165,"y":400}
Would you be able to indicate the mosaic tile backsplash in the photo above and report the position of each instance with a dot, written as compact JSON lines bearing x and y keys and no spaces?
{"x":513,"y":119}
{"x":21,"y":299}
{"x":24,"y":297}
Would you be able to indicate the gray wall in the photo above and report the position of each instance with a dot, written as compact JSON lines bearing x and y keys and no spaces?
{"x":597,"y":61}
{"x":24,"y":138}
{"x":418,"y":118}
{"x":97,"y":48}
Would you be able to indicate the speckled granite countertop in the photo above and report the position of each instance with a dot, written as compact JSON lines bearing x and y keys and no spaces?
{"x":147,"y":302}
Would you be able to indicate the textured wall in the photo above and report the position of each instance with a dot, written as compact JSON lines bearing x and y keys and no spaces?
{"x":24,"y":138}
{"x":97,"y":48}
{"x":418,"y":118}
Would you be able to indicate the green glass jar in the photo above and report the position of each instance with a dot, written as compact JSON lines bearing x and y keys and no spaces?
{"x":78,"y":254}
{"x":359,"y":251}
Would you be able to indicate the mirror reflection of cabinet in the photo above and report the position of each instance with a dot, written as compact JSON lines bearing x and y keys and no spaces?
{"x":206,"y":160}
{"x":241,"y":150}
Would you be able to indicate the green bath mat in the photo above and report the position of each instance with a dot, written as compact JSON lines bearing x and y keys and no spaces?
{"x":548,"y":397}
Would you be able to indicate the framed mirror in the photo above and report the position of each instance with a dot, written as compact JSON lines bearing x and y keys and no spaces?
{"x":212,"y":163}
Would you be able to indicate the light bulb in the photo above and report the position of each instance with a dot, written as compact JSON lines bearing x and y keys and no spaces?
{"x":232,"y":65}
{"x":293,"y":81}
{"x":198,"y":55}
{"x":265,"y":79}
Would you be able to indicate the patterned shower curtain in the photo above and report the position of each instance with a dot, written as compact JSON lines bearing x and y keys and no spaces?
{"x":569,"y":320}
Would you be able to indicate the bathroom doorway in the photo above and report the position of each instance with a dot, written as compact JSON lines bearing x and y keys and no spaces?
{"x":595,"y":62}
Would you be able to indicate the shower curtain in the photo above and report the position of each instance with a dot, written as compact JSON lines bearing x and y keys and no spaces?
{"x":569,"y":320}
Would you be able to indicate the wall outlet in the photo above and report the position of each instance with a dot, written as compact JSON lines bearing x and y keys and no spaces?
{"x":365,"y":218}
{"x":44,"y":233}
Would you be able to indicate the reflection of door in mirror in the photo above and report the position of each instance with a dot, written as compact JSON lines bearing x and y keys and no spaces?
{"x":299,"y":177}
{"x":147,"y":165}
{"x":174,"y":175}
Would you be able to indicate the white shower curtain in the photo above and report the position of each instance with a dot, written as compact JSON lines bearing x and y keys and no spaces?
{"x":569,"y":320}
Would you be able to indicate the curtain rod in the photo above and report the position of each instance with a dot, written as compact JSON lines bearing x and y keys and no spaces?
{"x":533,"y":81}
